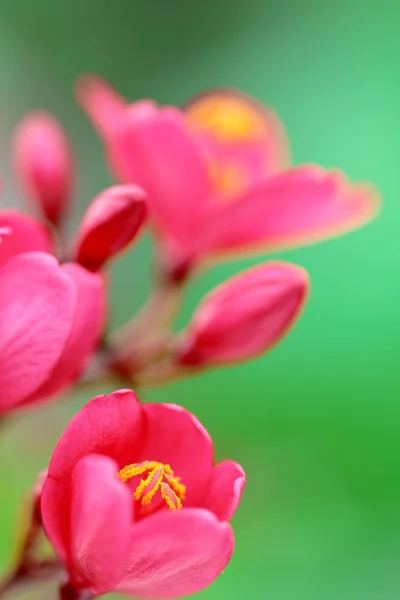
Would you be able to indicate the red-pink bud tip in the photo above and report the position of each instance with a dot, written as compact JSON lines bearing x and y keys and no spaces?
{"x":43,"y":163}
{"x":112,"y":221}
{"x":245,"y":316}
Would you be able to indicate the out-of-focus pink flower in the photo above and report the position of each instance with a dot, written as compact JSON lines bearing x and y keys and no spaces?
{"x":51,"y":318}
{"x":43,"y":164}
{"x":245,"y":316}
{"x":24,"y":234}
{"x":210,"y":176}
{"x":133,"y":502}
{"x":110,"y":224}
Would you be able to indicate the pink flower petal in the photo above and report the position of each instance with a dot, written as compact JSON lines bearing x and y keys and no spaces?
{"x":227,"y":483}
{"x":110,"y":224}
{"x":244,"y":139}
{"x":43,"y":163}
{"x":156,"y":150}
{"x":109,"y":425}
{"x":102,"y":104}
{"x":25,"y":234}
{"x":85,"y":333}
{"x":101,"y":514}
{"x":37,"y":305}
{"x":245,"y":315}
{"x":174,"y":436}
{"x":297,"y":207}
{"x":175,"y":554}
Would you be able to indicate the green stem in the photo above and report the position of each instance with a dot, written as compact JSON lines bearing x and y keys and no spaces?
{"x":24,"y":575}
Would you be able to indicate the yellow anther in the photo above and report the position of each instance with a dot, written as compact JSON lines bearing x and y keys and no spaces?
{"x":172,"y":500}
{"x":229,"y":118}
{"x":158,"y":477}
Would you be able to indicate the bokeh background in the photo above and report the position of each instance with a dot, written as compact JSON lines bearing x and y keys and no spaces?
{"x":316,"y":422}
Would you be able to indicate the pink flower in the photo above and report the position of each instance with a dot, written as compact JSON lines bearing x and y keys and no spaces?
{"x":211,"y":177}
{"x":51,"y":318}
{"x":133,"y":503}
{"x":112,"y":221}
{"x":245,"y":316}
{"x":43,"y":164}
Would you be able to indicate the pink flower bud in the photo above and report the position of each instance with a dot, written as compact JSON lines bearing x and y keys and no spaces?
{"x":245,"y":316}
{"x":43,"y":164}
{"x":111,"y":222}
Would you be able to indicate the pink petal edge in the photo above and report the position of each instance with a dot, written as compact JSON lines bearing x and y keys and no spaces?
{"x":109,"y":425}
{"x":175,"y":554}
{"x":101,"y":514}
{"x":225,"y":491}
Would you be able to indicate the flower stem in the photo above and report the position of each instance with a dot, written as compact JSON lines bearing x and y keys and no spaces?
{"x":24,"y":575}
{"x":145,"y":338}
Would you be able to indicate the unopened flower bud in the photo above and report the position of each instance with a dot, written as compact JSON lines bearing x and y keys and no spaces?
{"x":43,"y":163}
{"x":109,"y":225}
{"x":244,"y":316}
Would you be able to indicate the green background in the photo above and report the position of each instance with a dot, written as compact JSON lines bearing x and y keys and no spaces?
{"x":316,"y":422}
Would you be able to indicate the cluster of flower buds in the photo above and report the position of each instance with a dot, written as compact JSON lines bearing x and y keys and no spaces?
{"x":132,"y":500}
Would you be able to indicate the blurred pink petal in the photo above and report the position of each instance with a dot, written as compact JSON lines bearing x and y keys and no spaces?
{"x":109,"y":225}
{"x":101,"y":512}
{"x":154,"y":149}
{"x":43,"y":163}
{"x":25,"y":234}
{"x":84,"y":338}
{"x":245,"y":315}
{"x":300,"y":206}
{"x":100,"y":101}
{"x":37,"y":306}
{"x":176,"y":554}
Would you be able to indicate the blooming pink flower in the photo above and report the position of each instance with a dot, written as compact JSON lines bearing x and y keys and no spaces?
{"x":109,"y":225}
{"x":211,"y":176}
{"x":133,"y":503}
{"x":51,"y":318}
{"x":43,"y":164}
{"x":245,"y":315}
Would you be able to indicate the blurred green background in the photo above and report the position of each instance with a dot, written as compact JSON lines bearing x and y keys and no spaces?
{"x":316,"y":422}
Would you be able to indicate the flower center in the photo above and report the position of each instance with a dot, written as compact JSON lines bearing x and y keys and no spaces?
{"x":156,"y":477}
{"x":230,"y":119}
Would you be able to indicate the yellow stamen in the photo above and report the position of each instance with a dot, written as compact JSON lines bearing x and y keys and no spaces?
{"x":229,"y":118}
{"x":172,"y":500}
{"x":157,"y":477}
